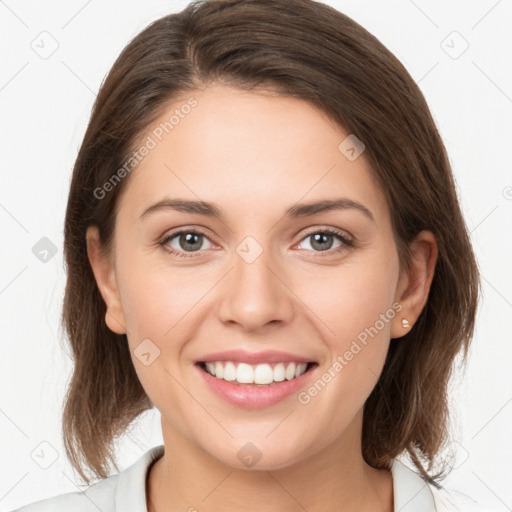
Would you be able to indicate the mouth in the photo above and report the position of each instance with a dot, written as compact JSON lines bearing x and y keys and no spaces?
{"x":256,"y":375}
{"x":257,"y":385}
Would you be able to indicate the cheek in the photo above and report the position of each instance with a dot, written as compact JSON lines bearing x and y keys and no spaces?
{"x":353,"y":308}
{"x":158,"y":303}
{"x":358,"y":316}
{"x":352,"y":297}
{"x":155,"y":297}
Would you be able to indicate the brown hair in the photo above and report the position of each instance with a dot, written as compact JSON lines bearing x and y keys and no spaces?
{"x":310,"y":51}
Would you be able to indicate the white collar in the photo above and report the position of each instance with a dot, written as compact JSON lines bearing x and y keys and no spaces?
{"x":411,"y":493}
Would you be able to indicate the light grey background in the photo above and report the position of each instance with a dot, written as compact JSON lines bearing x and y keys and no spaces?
{"x":45,"y":102}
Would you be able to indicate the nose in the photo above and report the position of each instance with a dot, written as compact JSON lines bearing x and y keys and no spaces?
{"x":255,"y":295}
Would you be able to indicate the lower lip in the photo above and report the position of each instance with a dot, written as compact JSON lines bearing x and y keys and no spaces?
{"x":253,"y":396}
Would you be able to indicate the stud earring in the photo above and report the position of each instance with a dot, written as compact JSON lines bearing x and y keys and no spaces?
{"x":405,"y":323}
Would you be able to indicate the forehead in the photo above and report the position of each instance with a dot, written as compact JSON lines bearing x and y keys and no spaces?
{"x":255,"y":152}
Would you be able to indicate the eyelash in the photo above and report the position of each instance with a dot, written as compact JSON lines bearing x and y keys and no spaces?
{"x":347,"y":242}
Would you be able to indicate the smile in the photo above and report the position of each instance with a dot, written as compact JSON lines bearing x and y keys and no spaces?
{"x":260,"y":385}
{"x":260,"y":374}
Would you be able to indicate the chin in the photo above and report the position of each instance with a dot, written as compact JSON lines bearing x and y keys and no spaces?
{"x":264,"y":456}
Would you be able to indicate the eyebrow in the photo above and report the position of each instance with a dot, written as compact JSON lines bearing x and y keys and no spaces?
{"x":295,"y":211}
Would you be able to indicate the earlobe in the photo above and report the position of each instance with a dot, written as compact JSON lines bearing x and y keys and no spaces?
{"x":414,"y":285}
{"x":103,"y":269}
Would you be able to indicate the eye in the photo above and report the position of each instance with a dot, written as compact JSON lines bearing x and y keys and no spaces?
{"x":185,"y":241}
{"x":322,"y":240}
{"x":192,"y":241}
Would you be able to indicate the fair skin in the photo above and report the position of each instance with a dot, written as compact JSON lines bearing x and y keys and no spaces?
{"x":253,"y":156}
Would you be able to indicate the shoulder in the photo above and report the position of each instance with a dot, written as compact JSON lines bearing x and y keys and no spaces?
{"x":450,"y":500}
{"x":414,"y":494}
{"x":99,"y":496}
{"x":117,"y":493}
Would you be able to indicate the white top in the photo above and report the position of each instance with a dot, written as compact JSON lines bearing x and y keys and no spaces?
{"x":126,"y":492}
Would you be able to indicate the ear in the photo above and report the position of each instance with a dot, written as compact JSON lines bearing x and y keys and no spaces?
{"x":414,"y":285}
{"x":104,"y":273}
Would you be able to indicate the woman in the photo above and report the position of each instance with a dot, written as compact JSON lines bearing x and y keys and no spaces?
{"x":263,"y":240}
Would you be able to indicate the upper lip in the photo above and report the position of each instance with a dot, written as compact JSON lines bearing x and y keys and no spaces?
{"x":267,"y":356}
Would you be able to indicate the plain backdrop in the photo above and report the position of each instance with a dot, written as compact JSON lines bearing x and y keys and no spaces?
{"x":54,"y":58}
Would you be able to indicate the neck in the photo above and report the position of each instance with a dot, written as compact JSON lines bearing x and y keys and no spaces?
{"x":336,"y":478}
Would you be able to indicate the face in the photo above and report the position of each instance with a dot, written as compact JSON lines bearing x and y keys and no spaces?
{"x":321,"y":285}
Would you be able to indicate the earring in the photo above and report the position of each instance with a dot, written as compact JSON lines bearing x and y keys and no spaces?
{"x":405,"y":323}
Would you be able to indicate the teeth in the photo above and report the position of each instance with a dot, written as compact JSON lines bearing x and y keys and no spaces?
{"x":279,"y":373}
{"x":263,"y":374}
{"x":229,"y":372}
{"x":219,"y":370}
{"x":290,"y":372}
{"x":244,"y":373}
